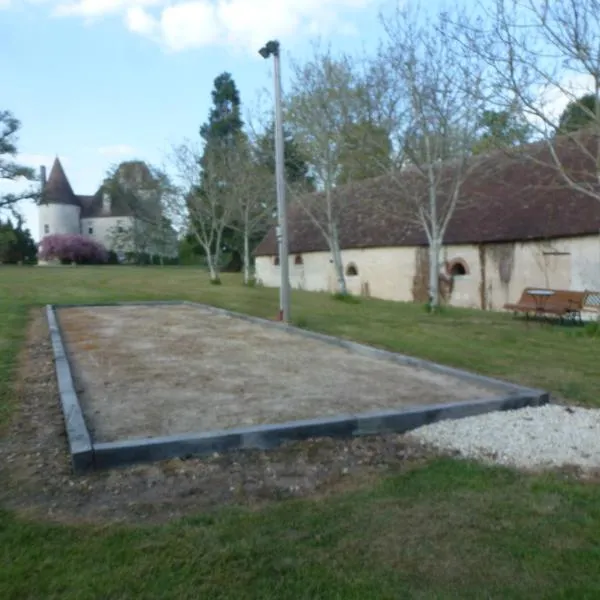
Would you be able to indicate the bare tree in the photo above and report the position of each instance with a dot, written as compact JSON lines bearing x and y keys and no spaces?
{"x":326,"y":100}
{"x":443,"y":100}
{"x":154,"y":237}
{"x":203,"y":202}
{"x":545,"y":55}
{"x":252,"y":198}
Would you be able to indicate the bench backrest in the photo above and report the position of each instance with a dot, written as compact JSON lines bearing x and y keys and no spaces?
{"x":568,"y":298}
{"x":526,"y":299}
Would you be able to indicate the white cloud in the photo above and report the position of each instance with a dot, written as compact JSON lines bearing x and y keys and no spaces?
{"x":240,"y":24}
{"x":99,"y":8}
{"x":116,"y":150}
{"x":4,"y":4}
{"x":139,"y":21}
{"x":189,"y":25}
{"x":246,"y":25}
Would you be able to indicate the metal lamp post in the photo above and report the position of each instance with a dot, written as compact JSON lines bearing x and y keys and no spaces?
{"x":272,"y":49}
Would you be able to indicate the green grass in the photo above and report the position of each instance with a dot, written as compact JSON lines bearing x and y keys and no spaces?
{"x":449,"y":530}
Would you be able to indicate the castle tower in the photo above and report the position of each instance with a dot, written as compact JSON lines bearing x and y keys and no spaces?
{"x":59,"y":210}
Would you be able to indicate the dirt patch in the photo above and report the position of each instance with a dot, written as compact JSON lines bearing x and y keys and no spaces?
{"x":36,"y":475}
{"x":149,"y":371}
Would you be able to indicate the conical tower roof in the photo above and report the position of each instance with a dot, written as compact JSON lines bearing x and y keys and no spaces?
{"x":58,"y":190}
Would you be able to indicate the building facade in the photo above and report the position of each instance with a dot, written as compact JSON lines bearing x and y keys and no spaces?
{"x":484,"y":276}
{"x":107,"y":218}
{"x":516,"y":225}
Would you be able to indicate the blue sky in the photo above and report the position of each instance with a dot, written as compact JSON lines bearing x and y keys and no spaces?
{"x":99,"y":81}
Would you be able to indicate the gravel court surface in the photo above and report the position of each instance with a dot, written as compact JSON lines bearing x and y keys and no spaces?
{"x":144,"y":371}
{"x":37,"y":478}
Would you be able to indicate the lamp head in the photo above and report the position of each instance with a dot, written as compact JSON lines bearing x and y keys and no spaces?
{"x":270,"y":48}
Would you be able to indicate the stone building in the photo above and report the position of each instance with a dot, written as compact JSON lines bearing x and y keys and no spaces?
{"x":516,"y":224}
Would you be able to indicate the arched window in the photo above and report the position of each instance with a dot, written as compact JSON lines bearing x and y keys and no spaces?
{"x":351,"y":270}
{"x":276,"y":261}
{"x":458,"y":267}
{"x":298,"y":259}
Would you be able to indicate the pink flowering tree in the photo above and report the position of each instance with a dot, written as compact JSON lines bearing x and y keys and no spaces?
{"x":69,"y":248}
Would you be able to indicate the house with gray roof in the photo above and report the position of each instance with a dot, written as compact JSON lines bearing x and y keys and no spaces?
{"x":112,"y":219}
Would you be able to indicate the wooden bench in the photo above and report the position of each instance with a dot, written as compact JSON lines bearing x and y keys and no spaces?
{"x":543,"y":302}
{"x":525,"y":304}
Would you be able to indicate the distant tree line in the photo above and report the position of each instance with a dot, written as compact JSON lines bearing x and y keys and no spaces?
{"x":16,"y":244}
{"x":442,"y":90}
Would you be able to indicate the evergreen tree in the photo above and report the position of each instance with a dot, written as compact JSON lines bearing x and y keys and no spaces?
{"x":221,"y":132}
{"x":7,"y":240}
{"x":224,"y":120}
{"x":501,"y":129}
{"x":579,"y":114}
{"x":16,"y":243}
{"x":9,"y":169}
{"x":296,"y":167}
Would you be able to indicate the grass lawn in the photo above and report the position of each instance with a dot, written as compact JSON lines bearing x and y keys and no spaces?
{"x":451,"y":529}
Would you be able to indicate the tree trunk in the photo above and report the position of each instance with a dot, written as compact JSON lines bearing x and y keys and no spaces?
{"x":246,"y":256}
{"x":210,"y":263}
{"x":337,"y":262}
{"x":434,"y":279}
{"x":434,"y":238}
{"x":216,"y":259}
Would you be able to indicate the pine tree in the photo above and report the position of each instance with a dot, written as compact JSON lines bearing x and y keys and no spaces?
{"x":296,"y":166}
{"x":224,"y":120}
{"x":16,"y":243}
{"x":221,"y":132}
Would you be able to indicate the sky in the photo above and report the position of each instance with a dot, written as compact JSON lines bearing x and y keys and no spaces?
{"x":96,"y":82}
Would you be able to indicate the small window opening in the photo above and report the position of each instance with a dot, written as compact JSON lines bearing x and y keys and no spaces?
{"x":458,"y":268}
{"x":276,"y":261}
{"x":351,"y":270}
{"x":91,"y":230}
{"x":46,"y":228}
{"x":298,"y":260}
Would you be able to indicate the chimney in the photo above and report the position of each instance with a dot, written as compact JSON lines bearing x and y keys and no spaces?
{"x":43,"y":176}
{"x":106,"y":202}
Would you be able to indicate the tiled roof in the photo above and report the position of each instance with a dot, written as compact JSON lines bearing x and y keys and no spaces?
{"x":504,"y":198}
{"x":91,"y":207}
{"x":58,"y":189}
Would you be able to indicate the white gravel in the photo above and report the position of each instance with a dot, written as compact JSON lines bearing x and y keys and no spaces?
{"x":544,"y":437}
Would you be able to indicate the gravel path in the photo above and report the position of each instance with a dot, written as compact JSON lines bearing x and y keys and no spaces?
{"x":545,"y":437}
